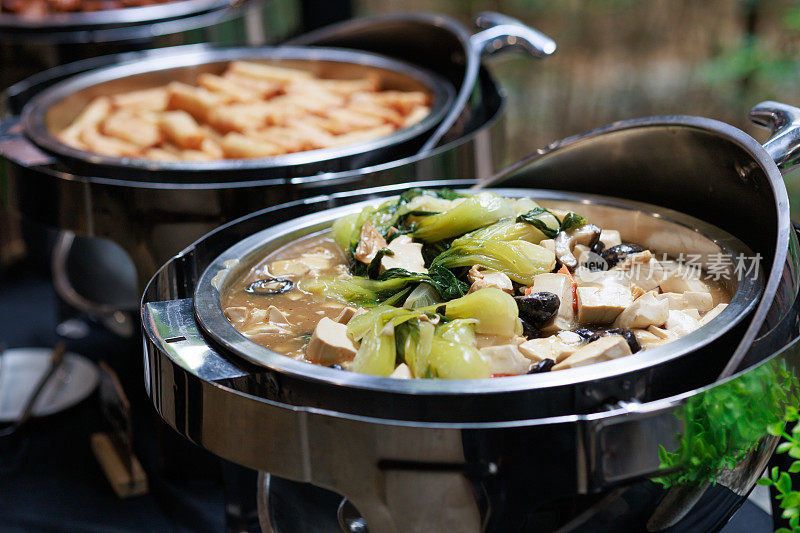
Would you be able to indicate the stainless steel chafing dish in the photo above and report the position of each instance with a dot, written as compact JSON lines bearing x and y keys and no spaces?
{"x":30,"y":45}
{"x":54,"y":108}
{"x":514,"y":453}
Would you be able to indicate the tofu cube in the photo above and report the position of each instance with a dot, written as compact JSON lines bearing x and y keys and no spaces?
{"x":602,"y":305}
{"x":407,"y":255}
{"x":603,"y":349}
{"x":701,"y":301}
{"x":551,"y":347}
{"x":330,"y":344}
{"x":651,"y":309}
{"x":506,"y":359}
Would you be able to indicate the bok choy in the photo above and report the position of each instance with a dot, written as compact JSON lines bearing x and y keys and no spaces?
{"x":465,"y":215}
{"x":520,"y":260}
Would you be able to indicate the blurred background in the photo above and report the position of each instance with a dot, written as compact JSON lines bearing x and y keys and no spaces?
{"x":620,"y":59}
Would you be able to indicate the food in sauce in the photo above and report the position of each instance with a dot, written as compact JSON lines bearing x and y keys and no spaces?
{"x":252,"y":110}
{"x":40,"y":8}
{"x":441,"y":284}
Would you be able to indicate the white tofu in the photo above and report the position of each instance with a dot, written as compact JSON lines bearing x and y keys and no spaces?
{"x":662,"y":333}
{"x":642,"y":269}
{"x":550,"y":244}
{"x":648,"y":339}
{"x":603,"y":304}
{"x":401,"y":372}
{"x":482,"y":279}
{"x":581,"y":253}
{"x":308,"y":262}
{"x":237,"y":315}
{"x":701,"y":301}
{"x":330,"y":344}
{"x":291,"y":267}
{"x":407,"y":255}
{"x":552,"y":347}
{"x":603,"y":349}
{"x":569,"y":337}
{"x":276,"y":316}
{"x":682,"y":322}
{"x":505,"y":359}
{"x":560,"y":285}
{"x":684,"y":279}
{"x":610,"y":237}
{"x":650,"y":309}
{"x":711,"y":315}
{"x":482,"y":341}
{"x":348,"y":313}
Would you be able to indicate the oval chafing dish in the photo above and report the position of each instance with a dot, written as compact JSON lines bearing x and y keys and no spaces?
{"x":593,"y":468}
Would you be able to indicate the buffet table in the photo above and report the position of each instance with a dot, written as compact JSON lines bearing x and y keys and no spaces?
{"x":49,"y":478}
{"x":53,"y":482}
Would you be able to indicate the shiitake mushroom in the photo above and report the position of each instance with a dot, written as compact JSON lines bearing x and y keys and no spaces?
{"x":617,"y":253}
{"x":269,"y":286}
{"x":591,"y":335}
{"x":545,"y":365}
{"x":537,"y":308}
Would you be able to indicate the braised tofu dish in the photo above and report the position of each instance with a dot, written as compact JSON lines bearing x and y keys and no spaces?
{"x":440,"y":284}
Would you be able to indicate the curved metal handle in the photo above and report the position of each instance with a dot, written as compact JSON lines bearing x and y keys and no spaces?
{"x":501,"y":33}
{"x":783,"y":121}
{"x":115,"y":320}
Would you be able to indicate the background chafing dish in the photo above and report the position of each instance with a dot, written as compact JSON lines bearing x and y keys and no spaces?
{"x":57,"y":106}
{"x":30,"y":45}
{"x":152,"y":220}
{"x":583,"y":470}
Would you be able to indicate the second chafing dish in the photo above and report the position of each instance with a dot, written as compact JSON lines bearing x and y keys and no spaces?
{"x":54,"y":108}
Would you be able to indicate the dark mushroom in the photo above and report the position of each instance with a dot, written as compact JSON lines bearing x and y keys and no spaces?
{"x":270,"y":286}
{"x":585,"y":333}
{"x":630,"y":337}
{"x":617,"y":253}
{"x":538,"y":308}
{"x":545,"y":365}
{"x":587,"y":235}
{"x":528,"y":330}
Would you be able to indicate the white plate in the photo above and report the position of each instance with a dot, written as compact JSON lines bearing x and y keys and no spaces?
{"x":22,"y":368}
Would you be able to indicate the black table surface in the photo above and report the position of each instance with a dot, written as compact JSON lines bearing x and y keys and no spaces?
{"x":49,"y":479}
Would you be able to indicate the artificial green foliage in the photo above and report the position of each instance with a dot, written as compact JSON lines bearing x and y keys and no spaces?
{"x":723,"y":424}
{"x":788,"y":497}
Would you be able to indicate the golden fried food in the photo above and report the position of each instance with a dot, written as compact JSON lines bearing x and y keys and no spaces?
{"x":252,"y":110}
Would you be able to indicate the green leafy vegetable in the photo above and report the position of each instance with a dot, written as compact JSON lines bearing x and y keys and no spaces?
{"x":467,"y":214}
{"x":444,"y":194}
{"x":543,"y":220}
{"x":495,"y":311}
{"x":423,"y":295}
{"x":507,"y":230}
{"x":549,"y":224}
{"x":572,"y":220}
{"x":520,"y":260}
{"x":374,"y":267}
{"x":446,"y":283}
